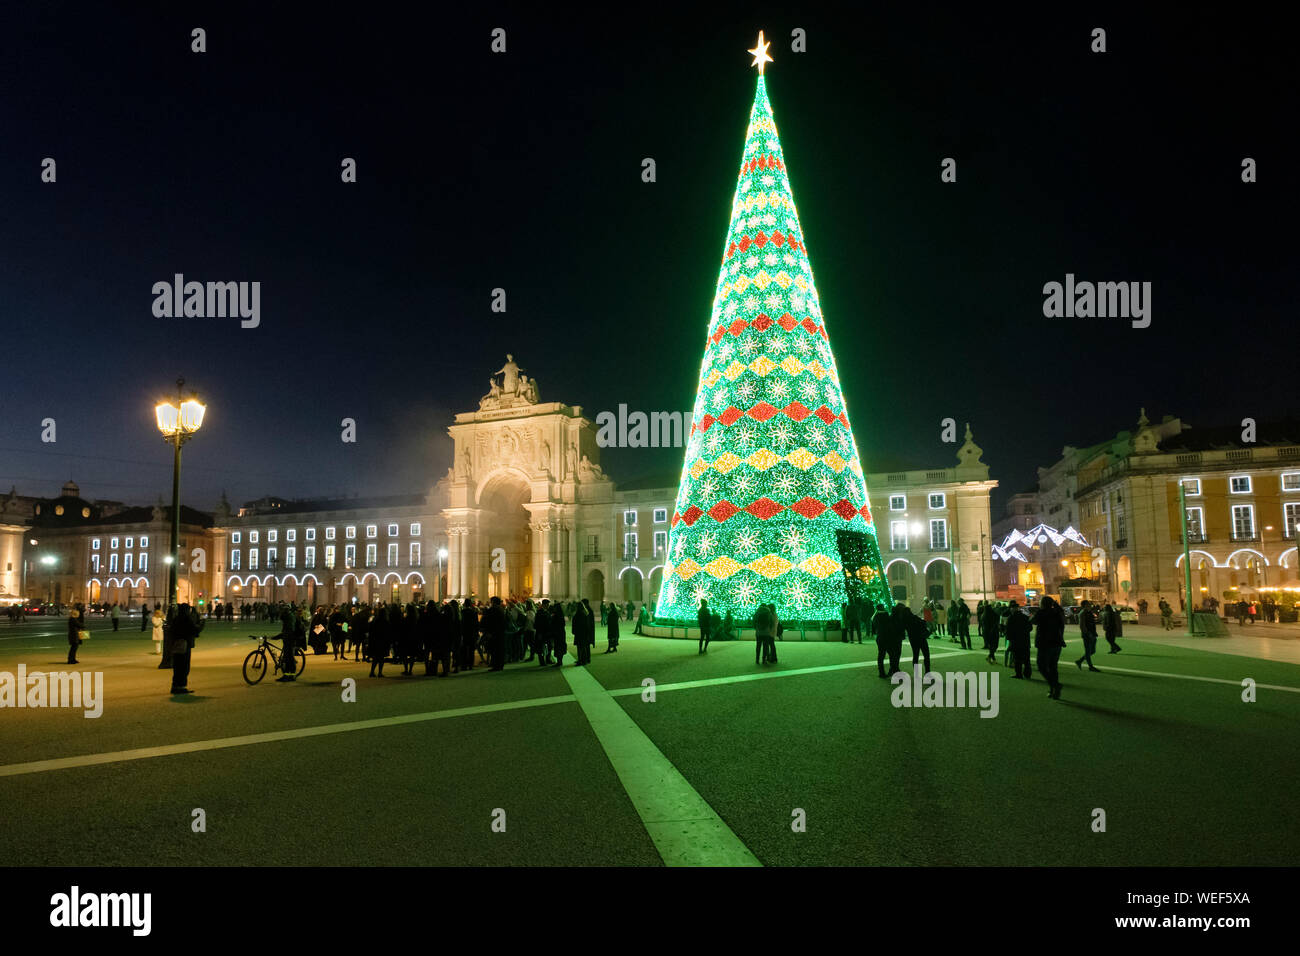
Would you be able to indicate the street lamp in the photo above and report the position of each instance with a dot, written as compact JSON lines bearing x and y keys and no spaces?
{"x":178,"y":423}
{"x":49,"y":561}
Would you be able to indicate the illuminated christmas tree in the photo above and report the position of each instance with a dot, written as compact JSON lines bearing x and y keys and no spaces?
{"x":772,"y":505}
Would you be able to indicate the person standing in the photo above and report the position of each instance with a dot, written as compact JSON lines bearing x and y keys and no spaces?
{"x":882,"y":629}
{"x":494,"y":632}
{"x":1050,"y":640}
{"x":1088,"y":634}
{"x":963,"y":624}
{"x":990,"y":627}
{"x":613,"y":631}
{"x":918,"y":635}
{"x":74,"y":635}
{"x":764,"y":634}
{"x":185,"y":628}
{"x":379,"y":639}
{"x":705,"y":620}
{"x":468,"y":634}
{"x":144,"y":616}
{"x":1018,"y":640}
{"x":114,"y":614}
{"x":158,"y":621}
{"x":1113,"y":626}
{"x":289,"y":646}
{"x":558,"y":633}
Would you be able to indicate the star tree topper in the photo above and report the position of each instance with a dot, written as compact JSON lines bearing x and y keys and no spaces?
{"x":760,"y":53}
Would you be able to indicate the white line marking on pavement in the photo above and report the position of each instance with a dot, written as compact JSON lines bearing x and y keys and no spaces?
{"x":220,"y":743}
{"x":684,"y":828}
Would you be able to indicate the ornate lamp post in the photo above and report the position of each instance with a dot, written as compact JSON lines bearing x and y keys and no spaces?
{"x":178,"y":423}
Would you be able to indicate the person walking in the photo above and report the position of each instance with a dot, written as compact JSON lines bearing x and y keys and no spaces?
{"x":1113,"y":626}
{"x":1017,"y":628}
{"x":75,"y":627}
{"x":918,"y":635}
{"x":882,"y":630}
{"x":765,"y":634}
{"x":705,"y":621}
{"x":1050,"y":639}
{"x":1166,"y":615}
{"x":1088,"y":634}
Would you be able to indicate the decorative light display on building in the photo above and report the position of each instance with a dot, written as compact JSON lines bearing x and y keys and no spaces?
{"x":772,"y":506}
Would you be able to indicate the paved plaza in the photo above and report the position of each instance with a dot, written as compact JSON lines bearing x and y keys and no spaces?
{"x":538,"y":766}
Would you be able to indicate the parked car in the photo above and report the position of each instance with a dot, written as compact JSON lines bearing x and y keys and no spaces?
{"x":1128,"y":614}
{"x":34,"y":608}
{"x":1072,"y":614}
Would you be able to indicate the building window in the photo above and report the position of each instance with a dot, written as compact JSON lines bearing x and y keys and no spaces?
{"x":94,"y":545}
{"x":271,"y":535}
{"x":309,"y":556}
{"x":392,"y":555}
{"x":290,"y":557}
{"x":144,"y":562}
{"x":415,"y":554}
{"x":1195,"y":524}
{"x":234,"y":560}
{"x":130,"y":543}
{"x":392,"y":531}
{"x":1121,"y":531}
{"x":898,"y":536}
{"x":94,"y":563}
{"x":371,"y":530}
{"x":898,"y":502}
{"x":661,"y":543}
{"x":415,"y":529}
{"x":112,"y":564}
{"x":661,"y":515}
{"x":329,"y":556}
{"x":126,"y":563}
{"x":291,"y":534}
{"x":629,"y":518}
{"x":329,"y":534}
{"x":938,"y":533}
{"x":271,"y":555}
{"x":1291,"y":482}
{"x":1239,"y":484}
{"x":372,"y":555}
{"x":252,"y":537}
{"x":234,"y":537}
{"x":1290,"y":516}
{"x":349,"y":555}
{"x":113,"y":544}
{"x":252,"y":559}
{"x":311,"y":534}
{"x":1193,"y":486}
{"x":629,"y":544}
{"x":144,"y":542}
{"x":938,"y":501}
{"x":1243,"y":522}
{"x":350,"y":532}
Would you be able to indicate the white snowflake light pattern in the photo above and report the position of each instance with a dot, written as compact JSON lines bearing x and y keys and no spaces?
{"x":746,"y":542}
{"x":792,"y":540}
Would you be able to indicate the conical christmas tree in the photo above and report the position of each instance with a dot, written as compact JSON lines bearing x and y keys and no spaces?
{"x":772,"y":505}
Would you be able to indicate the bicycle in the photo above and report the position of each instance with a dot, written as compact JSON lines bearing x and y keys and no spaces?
{"x":255,"y":662}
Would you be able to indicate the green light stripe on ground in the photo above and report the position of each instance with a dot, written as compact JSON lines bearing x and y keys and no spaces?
{"x":220,"y":743}
{"x":684,"y":828}
{"x":766,"y":675}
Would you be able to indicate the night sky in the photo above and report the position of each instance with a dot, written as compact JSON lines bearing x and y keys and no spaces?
{"x":522,"y":171}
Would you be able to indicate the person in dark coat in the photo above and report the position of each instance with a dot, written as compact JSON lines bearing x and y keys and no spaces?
{"x":289,"y":638}
{"x":882,"y":628}
{"x":558,"y":647}
{"x":494,"y":633}
{"x":990,"y":626}
{"x":1113,"y":625}
{"x":185,"y":628}
{"x":445,"y":627}
{"x":765,"y":634}
{"x":918,"y":635}
{"x":578,"y":623}
{"x":468,"y":634}
{"x":74,"y":636}
{"x":963,"y":624}
{"x":1017,"y":627}
{"x":380,"y":637}
{"x":612,"y":631}
{"x":1050,"y":639}
{"x":705,"y":621}
{"x":1088,"y":632}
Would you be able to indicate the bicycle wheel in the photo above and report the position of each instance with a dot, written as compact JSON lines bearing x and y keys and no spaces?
{"x":255,"y":666}
{"x":300,"y":659}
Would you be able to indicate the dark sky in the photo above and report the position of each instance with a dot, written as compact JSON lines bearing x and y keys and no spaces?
{"x":522,"y":171}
